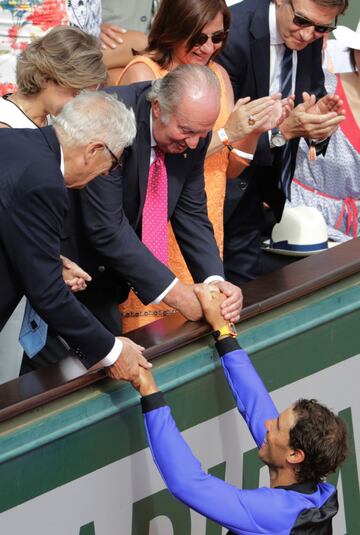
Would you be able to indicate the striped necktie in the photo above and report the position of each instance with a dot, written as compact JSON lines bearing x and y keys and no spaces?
{"x":286,"y":85}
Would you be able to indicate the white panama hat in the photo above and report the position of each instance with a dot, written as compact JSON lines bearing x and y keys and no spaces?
{"x":302,"y":231}
{"x":348,"y":37}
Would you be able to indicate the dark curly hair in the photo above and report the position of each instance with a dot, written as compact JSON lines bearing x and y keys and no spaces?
{"x":322,"y":436}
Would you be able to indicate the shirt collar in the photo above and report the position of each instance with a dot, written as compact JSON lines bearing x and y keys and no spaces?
{"x":152,"y":139}
{"x":62,"y":162}
{"x":275,"y":36}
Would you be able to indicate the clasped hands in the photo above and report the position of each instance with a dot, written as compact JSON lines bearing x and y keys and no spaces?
{"x":210,"y":300}
{"x":214,"y":301}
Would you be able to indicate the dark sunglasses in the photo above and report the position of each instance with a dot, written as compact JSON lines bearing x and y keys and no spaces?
{"x":303,"y":22}
{"x":116,"y":162}
{"x":201,"y":38}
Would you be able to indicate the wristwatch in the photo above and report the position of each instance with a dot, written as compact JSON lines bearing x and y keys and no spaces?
{"x":277,"y":139}
{"x":226,"y":330}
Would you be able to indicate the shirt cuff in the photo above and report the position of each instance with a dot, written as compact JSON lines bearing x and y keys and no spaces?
{"x":164,"y":293}
{"x":152,"y":401}
{"x":113,"y":355}
{"x":213,"y":278}
{"x":226,"y":345}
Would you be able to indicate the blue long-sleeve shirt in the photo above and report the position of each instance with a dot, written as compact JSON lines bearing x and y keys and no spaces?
{"x":296,"y":509}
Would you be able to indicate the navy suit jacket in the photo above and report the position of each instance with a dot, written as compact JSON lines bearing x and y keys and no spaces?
{"x":33,"y":205}
{"x":246,"y":58}
{"x":112,"y":213}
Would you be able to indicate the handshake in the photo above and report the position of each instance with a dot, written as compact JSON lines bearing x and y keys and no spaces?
{"x":132,"y":366}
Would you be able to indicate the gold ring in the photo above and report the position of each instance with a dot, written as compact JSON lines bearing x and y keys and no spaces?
{"x":251,"y":120}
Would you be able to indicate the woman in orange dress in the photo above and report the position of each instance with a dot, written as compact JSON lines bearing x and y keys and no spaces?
{"x":188,"y":31}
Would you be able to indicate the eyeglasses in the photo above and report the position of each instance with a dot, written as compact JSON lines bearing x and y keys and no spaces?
{"x":201,"y":38}
{"x":303,"y":22}
{"x":116,"y":162}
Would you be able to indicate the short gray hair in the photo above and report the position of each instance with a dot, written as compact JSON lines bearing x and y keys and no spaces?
{"x":190,"y":80}
{"x":96,"y":115}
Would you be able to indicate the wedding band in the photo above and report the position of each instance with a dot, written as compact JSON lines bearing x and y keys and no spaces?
{"x":251,"y":120}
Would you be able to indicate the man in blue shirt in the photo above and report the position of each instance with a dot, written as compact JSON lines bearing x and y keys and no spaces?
{"x":300,"y":446}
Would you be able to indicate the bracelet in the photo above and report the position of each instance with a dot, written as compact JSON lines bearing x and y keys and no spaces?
{"x":238,"y":153}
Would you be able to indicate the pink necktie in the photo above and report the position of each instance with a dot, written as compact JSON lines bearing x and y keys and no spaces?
{"x":154,"y":217}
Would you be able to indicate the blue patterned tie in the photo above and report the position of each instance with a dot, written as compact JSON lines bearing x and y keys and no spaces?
{"x":33,"y":332}
{"x":286,"y":84}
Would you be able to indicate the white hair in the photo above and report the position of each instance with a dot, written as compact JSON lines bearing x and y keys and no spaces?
{"x":96,"y":116}
{"x":189,"y":80}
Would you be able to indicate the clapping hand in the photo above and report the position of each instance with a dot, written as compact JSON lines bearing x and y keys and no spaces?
{"x":313,"y":119}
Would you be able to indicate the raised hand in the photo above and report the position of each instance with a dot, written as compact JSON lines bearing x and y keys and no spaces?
{"x":305,"y":120}
{"x":146,"y":384}
{"x":211,"y":299}
{"x":249,"y":117}
{"x":233,"y":302}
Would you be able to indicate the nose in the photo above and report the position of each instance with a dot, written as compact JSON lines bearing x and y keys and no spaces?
{"x":307,"y":34}
{"x":192,"y":141}
{"x":208,"y":47}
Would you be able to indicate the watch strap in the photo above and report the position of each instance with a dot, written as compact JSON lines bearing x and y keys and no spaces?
{"x":226,"y":330}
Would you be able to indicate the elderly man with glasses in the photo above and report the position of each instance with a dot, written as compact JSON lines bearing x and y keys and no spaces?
{"x":275,"y":46}
{"x":36,"y":168}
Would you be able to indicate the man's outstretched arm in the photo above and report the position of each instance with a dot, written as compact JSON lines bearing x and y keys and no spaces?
{"x":252,"y":398}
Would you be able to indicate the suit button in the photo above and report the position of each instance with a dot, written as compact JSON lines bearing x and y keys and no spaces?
{"x":242,"y":185}
{"x":78,"y":353}
{"x":101,"y":269}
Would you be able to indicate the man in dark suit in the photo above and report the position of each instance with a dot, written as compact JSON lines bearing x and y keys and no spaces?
{"x":176,"y":115}
{"x":36,"y":168}
{"x":260,"y":34}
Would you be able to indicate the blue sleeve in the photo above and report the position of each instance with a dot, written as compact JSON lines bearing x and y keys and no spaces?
{"x":252,"y":398}
{"x":187,"y":481}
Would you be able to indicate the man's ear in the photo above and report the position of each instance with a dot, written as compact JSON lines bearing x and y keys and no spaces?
{"x":93,"y":150}
{"x":295,"y":457}
{"x":156,"y":109}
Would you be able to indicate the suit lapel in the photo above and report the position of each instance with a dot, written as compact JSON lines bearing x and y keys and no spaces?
{"x":50,"y":137}
{"x":260,"y":51}
{"x":143,"y":152}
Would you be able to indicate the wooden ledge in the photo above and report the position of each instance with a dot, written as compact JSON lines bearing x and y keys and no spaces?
{"x":265,"y":293}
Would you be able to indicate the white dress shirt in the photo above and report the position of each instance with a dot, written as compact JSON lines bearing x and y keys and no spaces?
{"x":277,"y":49}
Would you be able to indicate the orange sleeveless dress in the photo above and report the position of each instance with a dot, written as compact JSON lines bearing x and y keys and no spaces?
{"x":134,"y":313}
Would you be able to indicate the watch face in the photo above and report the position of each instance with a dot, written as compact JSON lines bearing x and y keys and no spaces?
{"x":278,"y":140}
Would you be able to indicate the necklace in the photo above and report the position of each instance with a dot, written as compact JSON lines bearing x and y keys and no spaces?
{"x":12,"y":98}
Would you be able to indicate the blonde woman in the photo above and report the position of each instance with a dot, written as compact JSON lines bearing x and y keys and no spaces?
{"x":50,"y":72}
